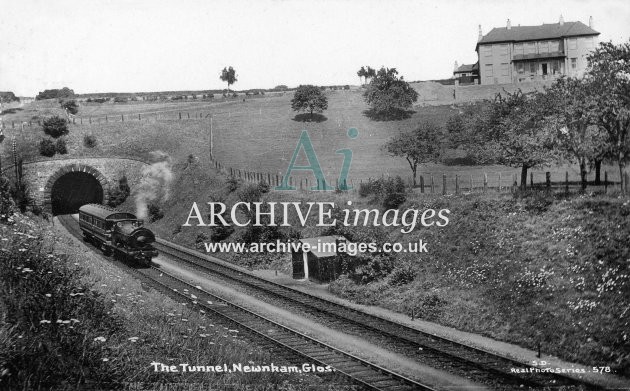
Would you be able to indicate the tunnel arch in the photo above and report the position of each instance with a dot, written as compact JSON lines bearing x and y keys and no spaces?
{"x":72,"y":186}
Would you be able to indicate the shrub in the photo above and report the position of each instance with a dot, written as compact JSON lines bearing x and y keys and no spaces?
{"x":155,"y":212}
{"x":55,"y":126}
{"x":394,"y":200}
{"x":263,"y":187}
{"x":250,"y":193}
{"x":120,"y":99}
{"x":232,"y":183}
{"x":390,"y":192}
{"x":221,"y":232}
{"x":402,"y":275}
{"x":61,"y":147}
{"x":47,"y":148}
{"x":89,"y":141}
{"x":70,"y":105}
{"x":119,"y":194}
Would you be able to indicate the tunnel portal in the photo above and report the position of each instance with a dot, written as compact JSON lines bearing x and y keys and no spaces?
{"x":73,"y":190}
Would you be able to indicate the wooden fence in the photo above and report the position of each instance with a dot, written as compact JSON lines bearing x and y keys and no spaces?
{"x":429,"y":183}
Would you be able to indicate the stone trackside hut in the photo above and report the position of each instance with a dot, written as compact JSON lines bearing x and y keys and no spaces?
{"x":322,"y":263}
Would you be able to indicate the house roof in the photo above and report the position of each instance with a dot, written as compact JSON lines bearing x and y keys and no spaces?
{"x":533,"y":33}
{"x":467,"y":68}
{"x":312,"y":242}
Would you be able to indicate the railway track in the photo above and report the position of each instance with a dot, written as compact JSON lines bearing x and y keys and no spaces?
{"x":363,"y":373}
{"x":473,"y":363}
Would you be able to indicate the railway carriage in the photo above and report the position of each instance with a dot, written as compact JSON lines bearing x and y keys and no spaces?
{"x":118,"y":233}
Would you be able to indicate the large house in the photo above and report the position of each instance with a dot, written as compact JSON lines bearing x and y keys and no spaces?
{"x":514,"y":54}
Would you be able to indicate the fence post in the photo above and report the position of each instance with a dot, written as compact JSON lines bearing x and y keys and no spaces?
{"x":485,"y":182}
{"x":106,"y":120}
{"x":531,"y":180}
{"x":605,"y":181}
{"x":566,"y":182}
{"x":471,"y":183}
{"x":443,"y":184}
{"x":79,"y":119}
{"x":90,"y":119}
{"x":188,"y":115}
{"x":180,"y":115}
{"x":499,"y":188}
{"x":548,"y":179}
{"x":421,"y":184}
{"x":626,"y":179}
{"x":456,"y":184}
{"x":139,"y":119}
{"x":122,"y":118}
{"x":432,"y":184}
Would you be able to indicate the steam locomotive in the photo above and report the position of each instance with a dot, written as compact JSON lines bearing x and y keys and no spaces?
{"x":118,"y":233}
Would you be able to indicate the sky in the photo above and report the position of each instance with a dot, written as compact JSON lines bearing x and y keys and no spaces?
{"x":159,"y":45}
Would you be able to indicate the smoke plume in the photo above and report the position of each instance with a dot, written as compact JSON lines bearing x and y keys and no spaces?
{"x":155,"y":183}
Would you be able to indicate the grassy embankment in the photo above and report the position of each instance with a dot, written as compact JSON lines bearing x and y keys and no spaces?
{"x":530,"y":270}
{"x":73,"y":320}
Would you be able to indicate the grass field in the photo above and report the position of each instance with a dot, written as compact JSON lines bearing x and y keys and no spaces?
{"x":259,"y":135}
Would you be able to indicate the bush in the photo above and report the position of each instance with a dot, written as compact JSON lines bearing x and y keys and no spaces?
{"x":263,"y":187}
{"x":232,"y":183}
{"x":55,"y":126}
{"x":61,"y":147}
{"x":120,"y":99}
{"x":221,"y":232}
{"x":402,"y":275}
{"x":155,"y":212}
{"x":47,"y":148}
{"x":390,"y":192}
{"x":119,"y":194}
{"x":250,"y":193}
{"x":70,"y":105}
{"x":89,"y":141}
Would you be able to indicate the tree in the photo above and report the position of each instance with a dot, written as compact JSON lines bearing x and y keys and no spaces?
{"x":70,"y":105}
{"x":510,"y":130}
{"x":369,"y":73}
{"x":420,"y":146}
{"x":609,"y":73}
{"x":8,"y":97}
{"x":573,"y":123}
{"x":55,"y":126}
{"x":388,"y":95}
{"x":362,"y":73}
{"x":63,"y":93}
{"x":309,"y":98}
{"x":228,"y":75}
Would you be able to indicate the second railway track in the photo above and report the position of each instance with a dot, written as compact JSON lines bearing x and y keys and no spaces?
{"x":367,"y":375}
{"x":473,"y":363}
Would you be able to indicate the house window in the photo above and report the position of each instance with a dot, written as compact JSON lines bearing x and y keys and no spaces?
{"x":530,"y":48}
{"x":487,"y":51}
{"x":572,"y":43}
{"x":505,"y":69}
{"x":532,"y":67}
{"x":543,"y":47}
{"x":520,"y":67}
{"x":488,"y":70}
{"x":554,"y":46}
{"x":518,"y":48}
{"x":574,"y":64}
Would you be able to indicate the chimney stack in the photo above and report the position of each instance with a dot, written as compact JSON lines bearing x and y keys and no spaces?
{"x":509,"y":24}
{"x":456,"y":66}
{"x":590,"y":22}
{"x":561,"y":20}
{"x":480,"y":34}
